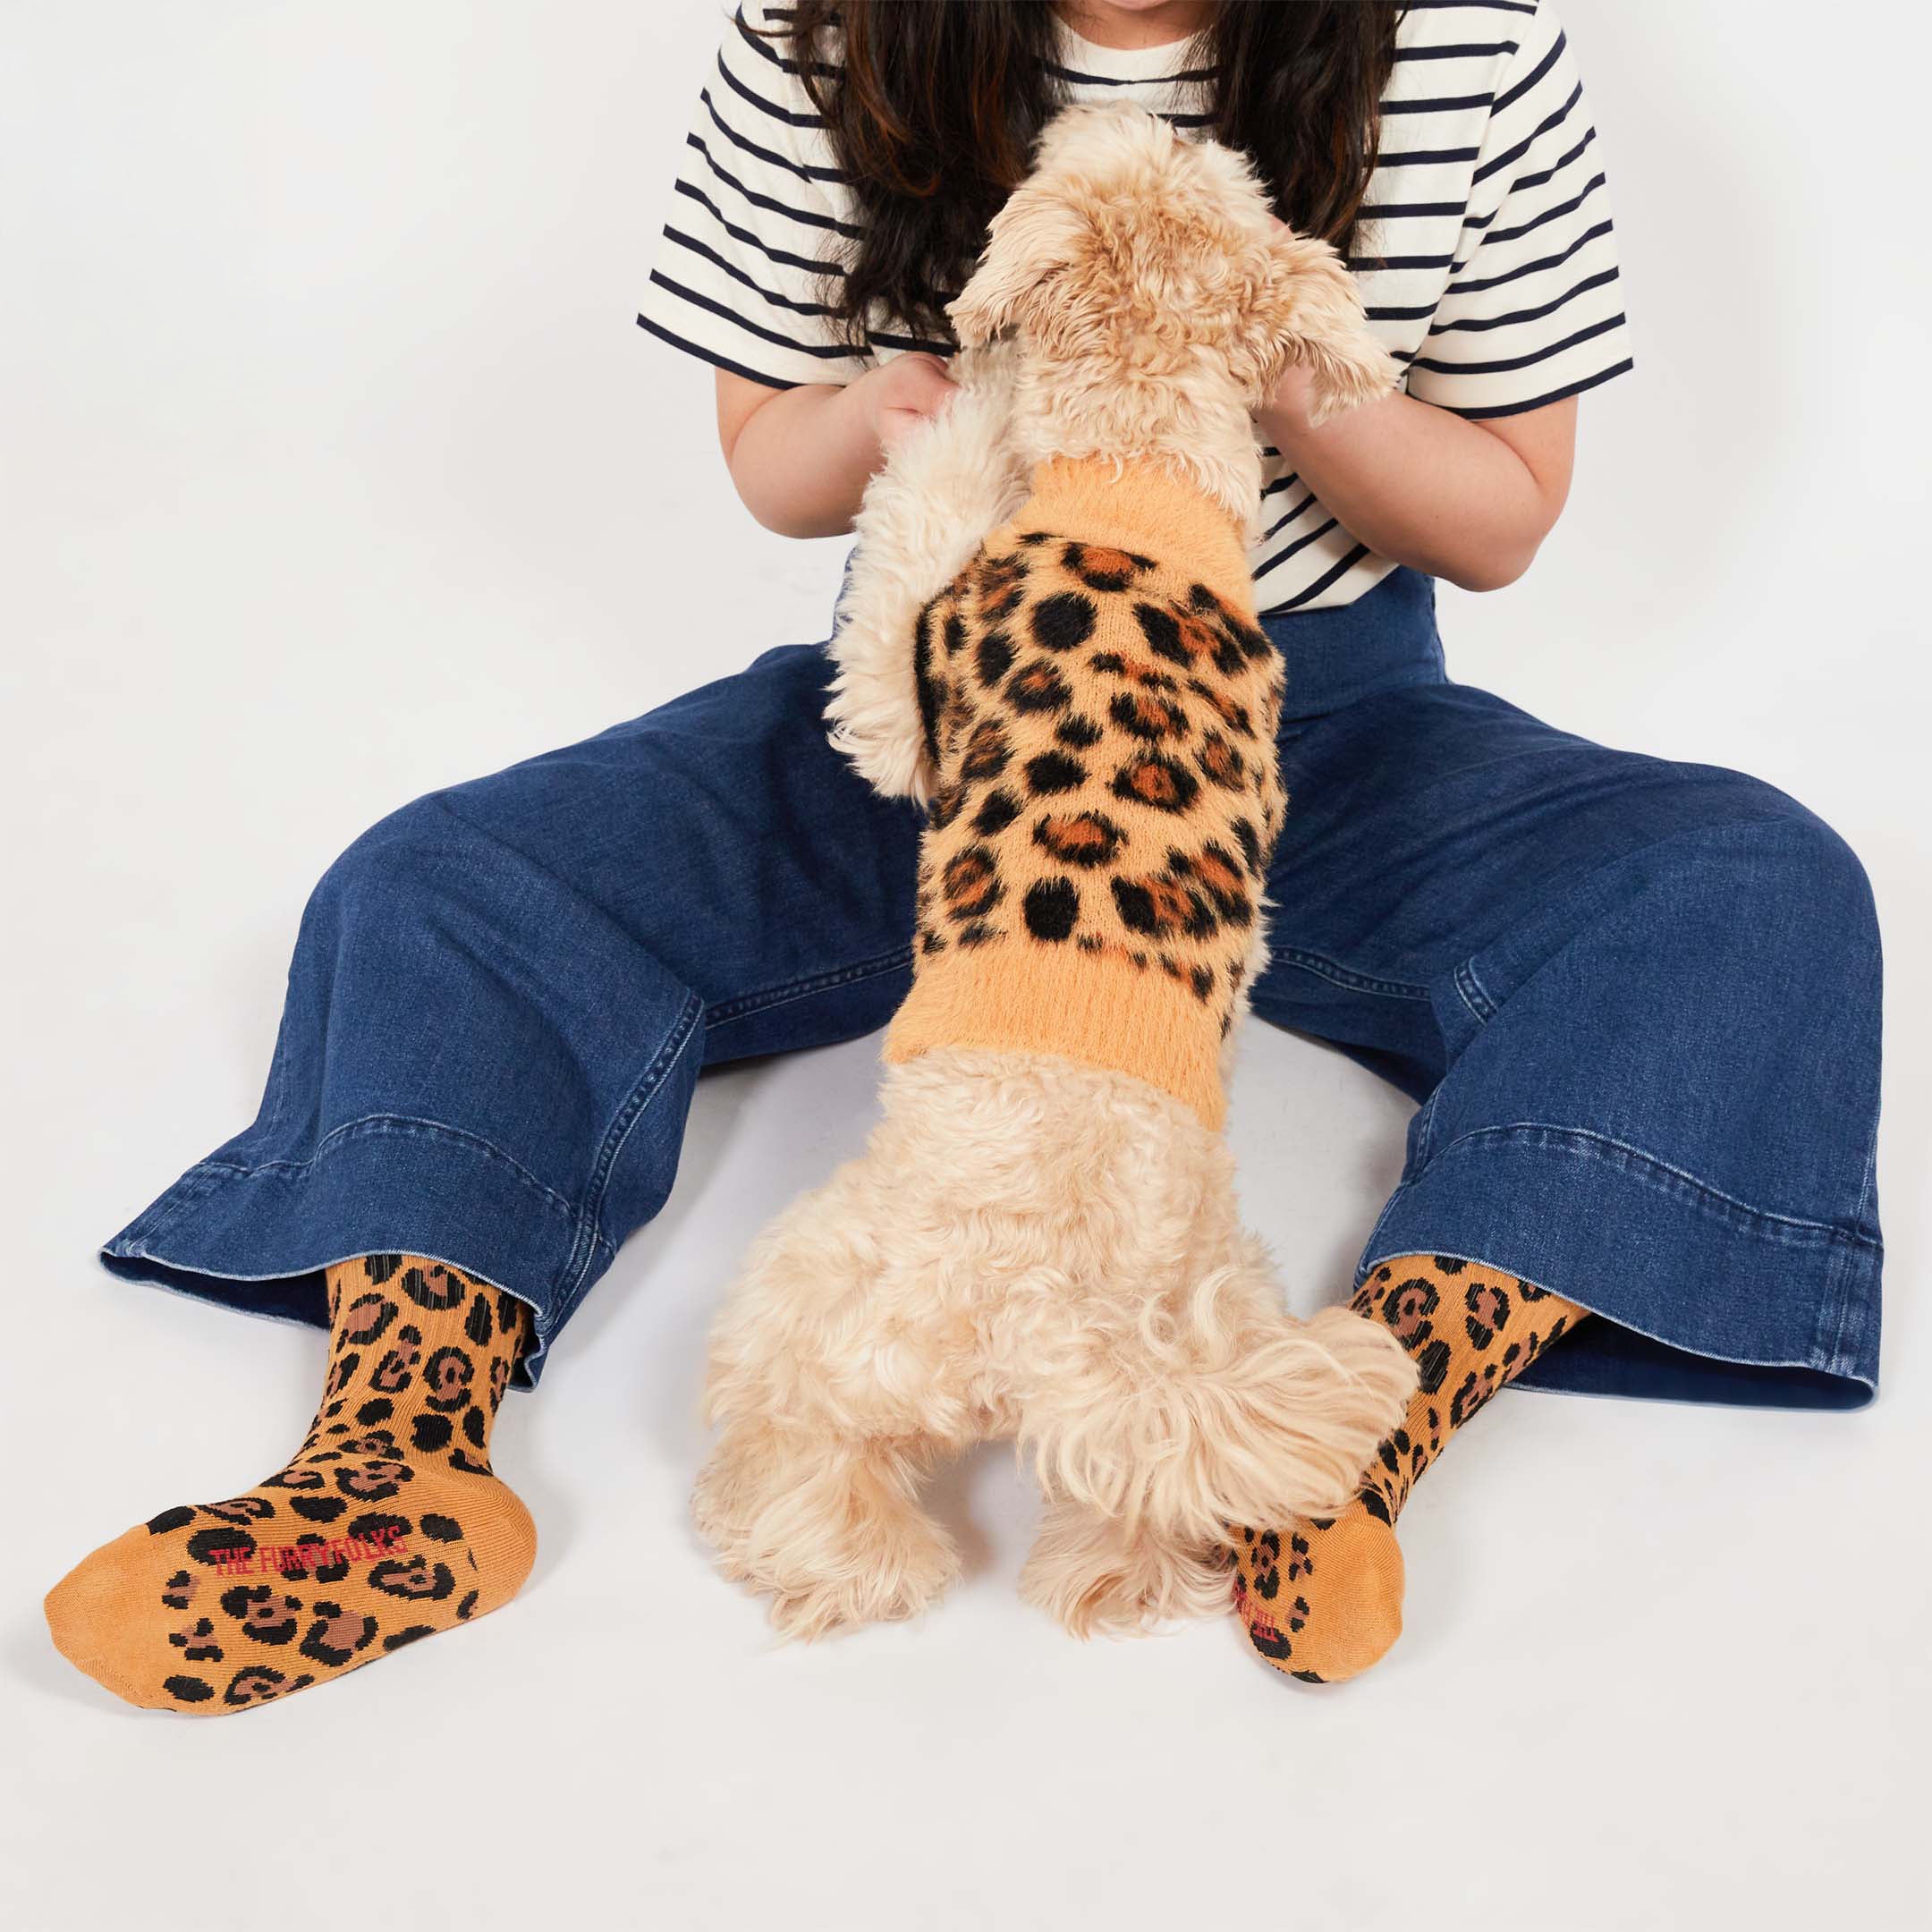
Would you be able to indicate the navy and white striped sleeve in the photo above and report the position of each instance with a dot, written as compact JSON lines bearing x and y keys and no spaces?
{"x":758,"y":216}
{"x":1534,"y":310}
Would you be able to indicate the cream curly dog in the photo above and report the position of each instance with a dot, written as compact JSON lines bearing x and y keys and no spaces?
{"x":1041,"y":1239}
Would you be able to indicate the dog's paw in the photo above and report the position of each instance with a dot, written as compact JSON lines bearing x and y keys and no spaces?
{"x":826,"y":1533}
{"x":901,"y":1571}
{"x":1097,"y":1577}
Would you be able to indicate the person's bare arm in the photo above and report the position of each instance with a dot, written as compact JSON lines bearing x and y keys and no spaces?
{"x":1467,"y":501}
{"x":800,"y":459}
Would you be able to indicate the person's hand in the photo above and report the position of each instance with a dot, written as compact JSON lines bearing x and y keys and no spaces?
{"x":899,"y":396}
{"x":1284,"y":412}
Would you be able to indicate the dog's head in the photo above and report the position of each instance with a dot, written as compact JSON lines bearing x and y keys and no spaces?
{"x":1132,"y":256}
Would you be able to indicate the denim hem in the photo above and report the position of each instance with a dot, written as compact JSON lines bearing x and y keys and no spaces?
{"x":1702,"y":1298}
{"x":257,"y":1238}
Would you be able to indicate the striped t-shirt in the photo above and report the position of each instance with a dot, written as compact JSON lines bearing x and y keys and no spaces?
{"x":1487,"y":259}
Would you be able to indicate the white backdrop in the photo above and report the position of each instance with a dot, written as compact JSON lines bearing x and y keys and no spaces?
{"x":333,"y":469}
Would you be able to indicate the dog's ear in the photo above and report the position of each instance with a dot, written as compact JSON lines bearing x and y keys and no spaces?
{"x":1035,"y":236}
{"x":1309,"y":312}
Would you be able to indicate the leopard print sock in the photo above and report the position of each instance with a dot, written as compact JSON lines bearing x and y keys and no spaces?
{"x":1322,"y":1599}
{"x":387,"y":1526}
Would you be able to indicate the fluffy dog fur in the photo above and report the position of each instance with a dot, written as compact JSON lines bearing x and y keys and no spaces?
{"x":1031,"y":1247}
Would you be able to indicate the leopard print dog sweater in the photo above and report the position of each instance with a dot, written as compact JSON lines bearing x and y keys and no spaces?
{"x":1099,"y":705}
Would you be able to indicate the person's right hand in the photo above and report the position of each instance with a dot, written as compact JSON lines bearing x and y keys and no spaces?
{"x":899,"y":396}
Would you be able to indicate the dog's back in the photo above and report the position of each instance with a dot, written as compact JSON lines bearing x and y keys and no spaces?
{"x":1099,"y":705}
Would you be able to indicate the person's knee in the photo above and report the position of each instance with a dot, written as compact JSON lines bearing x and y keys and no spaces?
{"x":1785,"y":875}
{"x":397,"y":870}
{"x":1826,"y":875}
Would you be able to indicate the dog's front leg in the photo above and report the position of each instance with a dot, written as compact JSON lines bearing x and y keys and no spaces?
{"x":945,"y":485}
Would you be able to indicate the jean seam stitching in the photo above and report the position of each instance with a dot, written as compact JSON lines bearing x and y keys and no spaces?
{"x":1474,"y":995}
{"x":275,"y":1091}
{"x":1837,"y":1354}
{"x":1606,"y":1148}
{"x":644,"y":1089}
{"x":1337,"y":974}
{"x":747,"y":1005}
{"x":1425,"y":1127}
{"x":189,"y":1189}
{"x":371,"y":1125}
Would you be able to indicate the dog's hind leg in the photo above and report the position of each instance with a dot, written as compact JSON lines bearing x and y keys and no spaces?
{"x":830,"y":1529}
{"x":835,"y":1397}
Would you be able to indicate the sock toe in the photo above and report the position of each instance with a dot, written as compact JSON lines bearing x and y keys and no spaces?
{"x":88,"y":1610}
{"x":1361,"y":1602}
{"x":1355,"y":1581}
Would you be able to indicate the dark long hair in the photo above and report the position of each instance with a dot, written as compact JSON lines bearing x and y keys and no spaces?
{"x":932,"y":107}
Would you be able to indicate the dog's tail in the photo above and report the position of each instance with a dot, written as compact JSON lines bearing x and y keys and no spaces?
{"x":1280,"y":1424}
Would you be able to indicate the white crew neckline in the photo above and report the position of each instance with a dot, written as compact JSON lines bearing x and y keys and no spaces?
{"x":1082,"y":55}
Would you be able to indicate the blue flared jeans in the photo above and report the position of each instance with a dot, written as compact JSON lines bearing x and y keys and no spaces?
{"x":1635,"y":1002}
